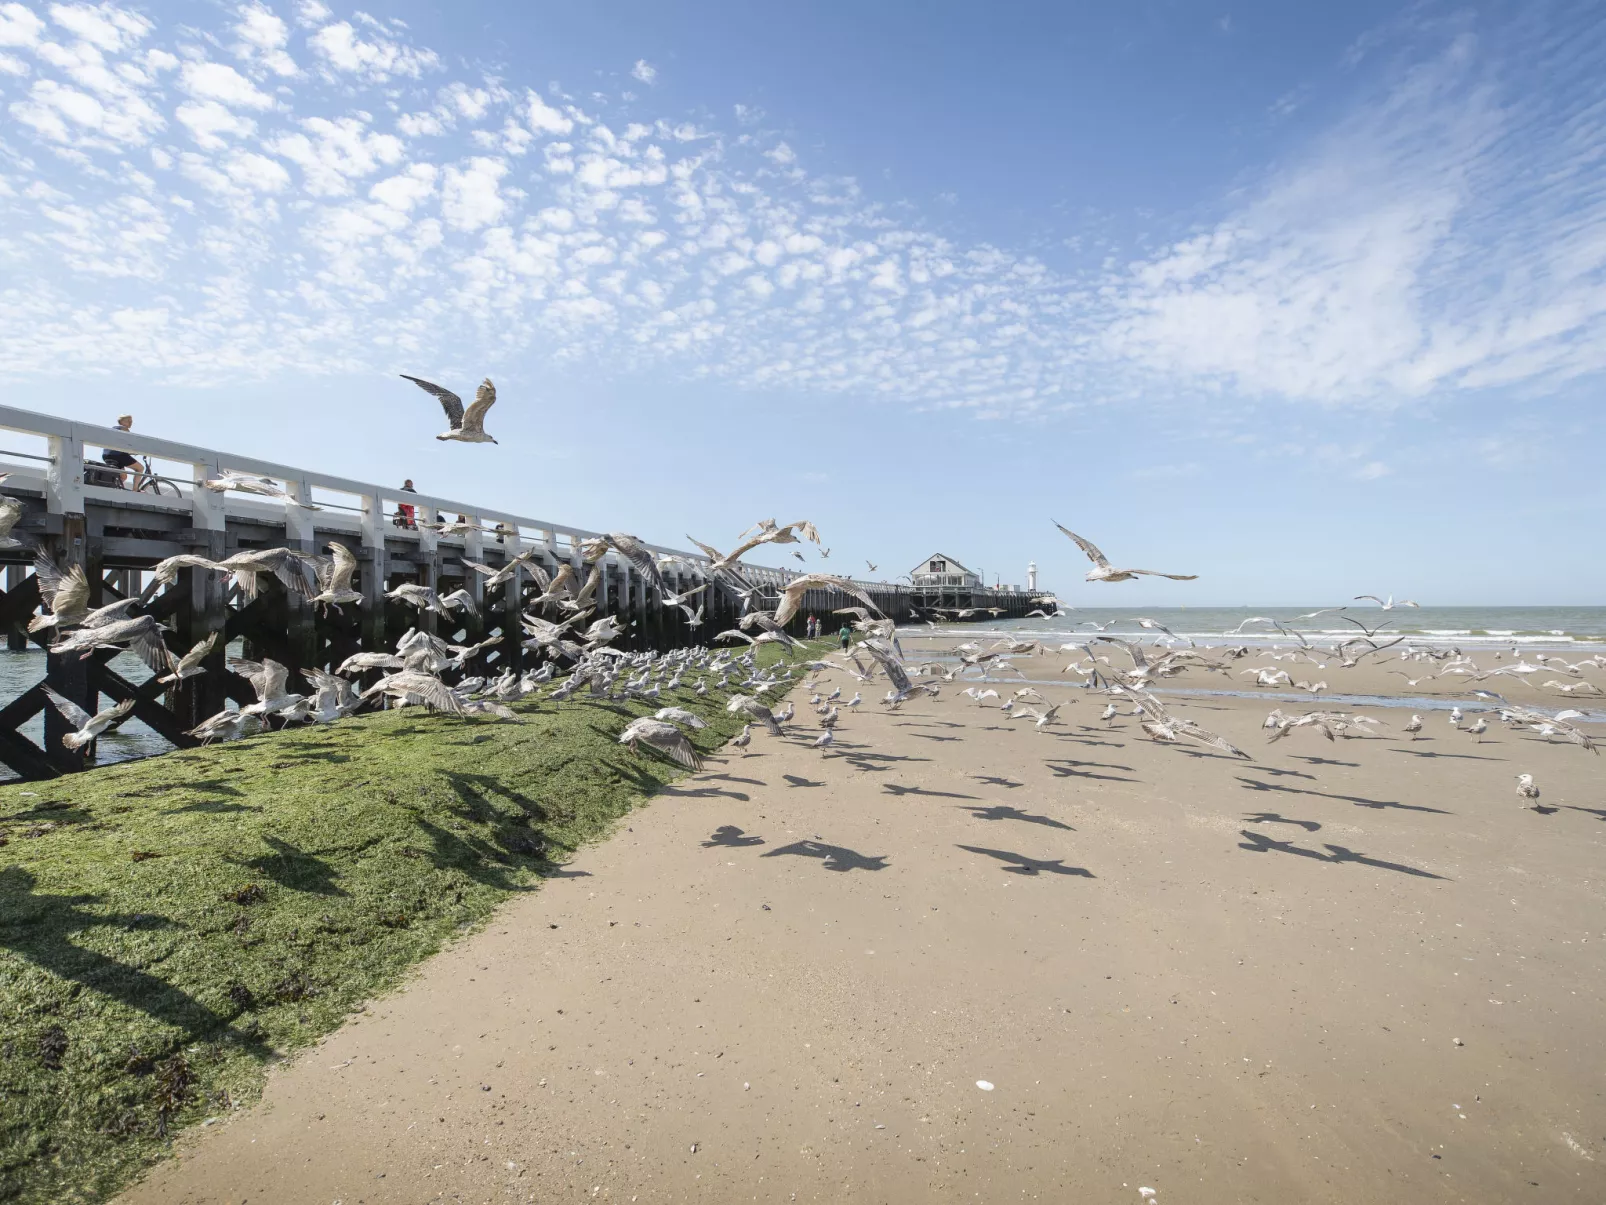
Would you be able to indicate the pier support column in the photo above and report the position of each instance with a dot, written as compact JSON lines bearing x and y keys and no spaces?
{"x":302,"y":642}
{"x":374,"y":569}
{"x":17,"y":634}
{"x":203,"y":606}
{"x":69,"y":675}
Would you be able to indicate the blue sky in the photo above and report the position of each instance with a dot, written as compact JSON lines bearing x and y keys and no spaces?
{"x":1309,"y":300}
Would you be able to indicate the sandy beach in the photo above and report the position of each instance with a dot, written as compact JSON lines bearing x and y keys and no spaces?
{"x":958,"y":958}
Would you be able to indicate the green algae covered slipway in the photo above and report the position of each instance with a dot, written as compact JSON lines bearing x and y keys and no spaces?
{"x":170,"y":927}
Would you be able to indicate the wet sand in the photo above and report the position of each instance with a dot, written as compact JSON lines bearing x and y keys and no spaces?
{"x":1356,"y":971}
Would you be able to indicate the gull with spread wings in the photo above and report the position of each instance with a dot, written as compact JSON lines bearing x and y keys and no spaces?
{"x":88,"y":726}
{"x":769,"y":532}
{"x":468,"y":426}
{"x":1103,"y":571}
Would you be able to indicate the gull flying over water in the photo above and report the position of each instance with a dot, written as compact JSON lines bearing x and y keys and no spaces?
{"x":1387,"y":604}
{"x":1103,"y":571}
{"x":189,"y":665}
{"x":468,"y":426}
{"x":88,"y":726}
{"x":10,"y":515}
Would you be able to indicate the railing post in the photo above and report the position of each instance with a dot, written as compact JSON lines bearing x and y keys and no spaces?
{"x":206,"y":506}
{"x":64,"y":483}
{"x":205,"y":606}
{"x":298,"y":521}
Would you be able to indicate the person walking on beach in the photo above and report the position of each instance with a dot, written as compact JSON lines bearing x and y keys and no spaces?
{"x":813,"y":629}
{"x":846,"y":635}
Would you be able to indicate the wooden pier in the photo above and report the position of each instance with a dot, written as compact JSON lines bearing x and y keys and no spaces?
{"x":119,"y":534}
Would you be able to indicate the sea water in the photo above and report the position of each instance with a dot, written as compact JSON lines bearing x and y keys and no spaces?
{"x":1468,"y":628}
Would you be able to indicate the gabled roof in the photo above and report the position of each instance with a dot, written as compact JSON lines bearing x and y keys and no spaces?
{"x":953,"y":565}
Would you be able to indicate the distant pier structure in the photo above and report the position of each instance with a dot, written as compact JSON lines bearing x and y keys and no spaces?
{"x":82,"y":513}
{"x":941,"y":583}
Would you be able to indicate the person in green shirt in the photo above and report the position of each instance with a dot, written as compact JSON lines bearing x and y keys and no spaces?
{"x":846,"y":635}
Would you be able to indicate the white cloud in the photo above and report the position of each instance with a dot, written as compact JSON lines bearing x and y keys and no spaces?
{"x":471,"y":197}
{"x":19,"y":26}
{"x":262,"y":37}
{"x":222,"y":83}
{"x":104,"y":26}
{"x":1443,"y":237}
{"x":66,"y":115}
{"x":207,"y":119}
{"x":644,"y":71}
{"x":333,"y":153}
{"x":404,"y":191}
{"x":11,"y":65}
{"x":543,"y":118}
{"x":375,"y":60}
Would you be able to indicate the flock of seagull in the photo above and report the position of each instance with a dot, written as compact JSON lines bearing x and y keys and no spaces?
{"x":415,"y":672}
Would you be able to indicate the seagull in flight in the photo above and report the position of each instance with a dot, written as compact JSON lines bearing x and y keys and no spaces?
{"x":468,"y":426}
{"x":1387,"y":604}
{"x":1103,"y":571}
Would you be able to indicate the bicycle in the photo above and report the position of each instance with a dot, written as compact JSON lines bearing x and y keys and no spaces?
{"x":145,"y":478}
{"x":147,"y":482}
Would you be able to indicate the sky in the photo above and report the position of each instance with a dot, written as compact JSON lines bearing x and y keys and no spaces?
{"x":1309,"y":300}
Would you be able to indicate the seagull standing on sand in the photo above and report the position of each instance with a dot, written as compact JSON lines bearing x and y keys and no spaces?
{"x":1527,"y":789}
{"x":1414,"y":726}
{"x":1479,"y":727}
{"x":468,"y":426}
{"x":1103,"y":571}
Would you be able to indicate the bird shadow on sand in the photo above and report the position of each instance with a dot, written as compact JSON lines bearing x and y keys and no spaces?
{"x":927,"y":724}
{"x":797,"y":780}
{"x":1458,"y":756}
{"x":931,"y":736}
{"x":728,"y":836}
{"x":752,"y":782}
{"x":704,"y":793}
{"x":1022,"y":865}
{"x":1260,"y":844}
{"x":832,"y":857}
{"x":1309,"y":826}
{"x":1198,"y":754}
{"x":1597,"y":813}
{"x":1089,"y":740}
{"x":993,"y":780}
{"x":1002,"y":811}
{"x":1324,"y":761}
{"x":893,"y":788}
{"x":1253,"y":784}
{"x":1072,"y":769}
{"x":1281,"y":773}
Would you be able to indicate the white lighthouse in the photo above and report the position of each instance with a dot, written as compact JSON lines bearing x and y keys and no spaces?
{"x":1031,"y":575}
